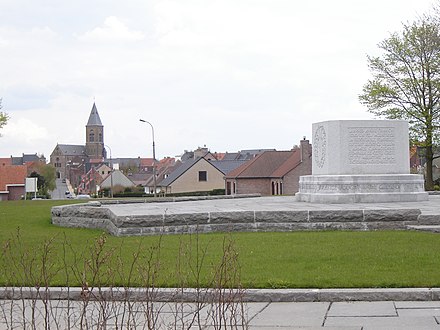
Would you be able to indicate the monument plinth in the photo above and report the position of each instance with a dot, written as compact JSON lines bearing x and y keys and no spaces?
{"x":361,"y":161}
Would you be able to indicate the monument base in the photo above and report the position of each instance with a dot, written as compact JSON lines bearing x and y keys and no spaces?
{"x":371,"y":188}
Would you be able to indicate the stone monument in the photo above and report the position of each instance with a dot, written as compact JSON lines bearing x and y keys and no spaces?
{"x":361,"y":161}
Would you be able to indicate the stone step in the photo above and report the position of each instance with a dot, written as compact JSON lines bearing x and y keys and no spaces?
{"x":429,"y":219}
{"x":430,"y":228}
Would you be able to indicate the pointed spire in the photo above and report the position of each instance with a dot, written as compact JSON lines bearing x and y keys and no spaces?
{"x":94,"y":119}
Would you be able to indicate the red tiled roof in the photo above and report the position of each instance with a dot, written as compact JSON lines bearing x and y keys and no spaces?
{"x":167,"y":160}
{"x":5,"y":161}
{"x":219,"y":155}
{"x":12,"y":174}
{"x":147,"y":161}
{"x":268,"y":164}
{"x":292,"y":162}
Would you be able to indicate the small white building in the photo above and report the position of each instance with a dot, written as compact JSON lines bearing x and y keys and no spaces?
{"x":116,"y":178}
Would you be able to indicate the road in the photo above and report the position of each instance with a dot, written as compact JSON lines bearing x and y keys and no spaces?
{"x":60,"y":190}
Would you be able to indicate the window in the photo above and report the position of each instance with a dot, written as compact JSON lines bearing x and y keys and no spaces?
{"x":91,"y":136}
{"x":203,"y":176}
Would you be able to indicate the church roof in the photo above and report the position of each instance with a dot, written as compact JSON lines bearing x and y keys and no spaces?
{"x":94,"y":119}
{"x":71,"y":150}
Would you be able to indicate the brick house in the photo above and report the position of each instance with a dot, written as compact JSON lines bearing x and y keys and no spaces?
{"x":12,"y":181}
{"x":5,"y":161}
{"x":271,"y":172}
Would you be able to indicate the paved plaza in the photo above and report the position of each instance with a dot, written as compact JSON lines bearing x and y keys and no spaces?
{"x":272,"y":203}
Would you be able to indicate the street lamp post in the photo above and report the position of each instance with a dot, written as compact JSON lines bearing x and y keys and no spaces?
{"x":111,"y":171}
{"x":154,"y":156}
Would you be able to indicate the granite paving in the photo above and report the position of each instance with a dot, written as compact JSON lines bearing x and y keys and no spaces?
{"x":278,"y":203}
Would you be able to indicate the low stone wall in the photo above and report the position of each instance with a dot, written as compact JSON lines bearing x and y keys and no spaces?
{"x":94,"y":215}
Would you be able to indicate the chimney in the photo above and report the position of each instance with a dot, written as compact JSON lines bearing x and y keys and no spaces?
{"x":305,"y":148}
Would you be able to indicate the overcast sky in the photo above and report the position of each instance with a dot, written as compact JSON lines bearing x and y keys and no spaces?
{"x":228,"y":74}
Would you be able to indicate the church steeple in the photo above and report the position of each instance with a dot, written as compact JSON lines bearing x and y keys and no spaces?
{"x":95,"y":135}
{"x":94,"y":119}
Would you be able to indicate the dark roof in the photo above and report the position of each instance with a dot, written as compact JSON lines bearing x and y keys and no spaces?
{"x":94,"y":119}
{"x":26,"y":158}
{"x":226,"y":166}
{"x":244,"y":154}
{"x":230,"y":156}
{"x":187,"y":155}
{"x":71,"y":150}
{"x":268,"y":164}
{"x":255,"y":151}
{"x":17,"y":160}
{"x":126,"y":162}
{"x":30,"y":158}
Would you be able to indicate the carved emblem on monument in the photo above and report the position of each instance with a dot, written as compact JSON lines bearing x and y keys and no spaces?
{"x":319,"y":146}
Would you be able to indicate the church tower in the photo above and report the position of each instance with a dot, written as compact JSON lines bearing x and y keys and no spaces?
{"x":95,"y":136}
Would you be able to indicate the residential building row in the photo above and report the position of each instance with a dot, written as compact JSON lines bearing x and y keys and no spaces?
{"x":88,"y":169}
{"x":13,"y":173}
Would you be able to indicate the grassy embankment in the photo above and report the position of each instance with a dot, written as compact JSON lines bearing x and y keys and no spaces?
{"x":42,"y":254}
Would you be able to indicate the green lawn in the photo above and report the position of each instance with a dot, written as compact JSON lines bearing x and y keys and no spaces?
{"x":39,"y":253}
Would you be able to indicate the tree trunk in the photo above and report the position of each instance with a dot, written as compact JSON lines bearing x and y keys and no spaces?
{"x":428,"y":179}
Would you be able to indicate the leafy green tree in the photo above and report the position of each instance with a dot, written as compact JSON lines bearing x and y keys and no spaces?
{"x":406,"y":83}
{"x":49,"y":173}
{"x":46,"y":178}
{"x":3,"y":117}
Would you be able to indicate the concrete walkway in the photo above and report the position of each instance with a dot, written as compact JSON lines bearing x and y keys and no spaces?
{"x":360,"y":315}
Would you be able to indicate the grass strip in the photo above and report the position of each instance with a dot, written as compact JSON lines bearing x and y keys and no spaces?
{"x":39,"y":253}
